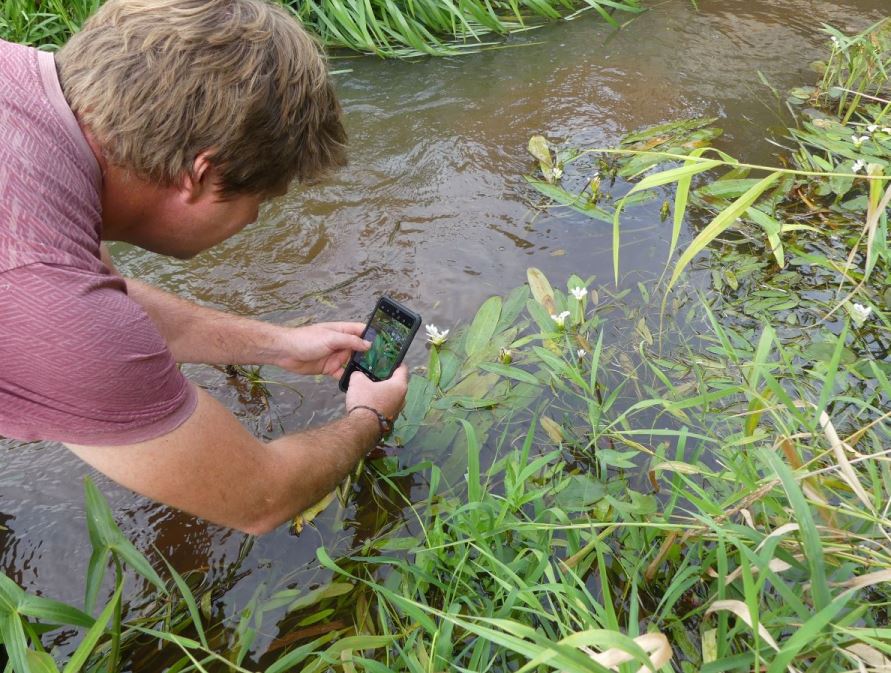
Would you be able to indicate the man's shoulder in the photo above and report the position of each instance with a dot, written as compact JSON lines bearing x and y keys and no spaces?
{"x":50,"y":210}
{"x":82,"y":362}
{"x":51,"y":282}
{"x":18,"y":66}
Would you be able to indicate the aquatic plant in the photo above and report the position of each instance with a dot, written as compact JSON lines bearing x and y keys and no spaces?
{"x":823,"y":186}
{"x":721,"y":497}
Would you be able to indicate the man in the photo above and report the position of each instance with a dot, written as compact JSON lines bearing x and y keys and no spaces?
{"x":165,"y":124}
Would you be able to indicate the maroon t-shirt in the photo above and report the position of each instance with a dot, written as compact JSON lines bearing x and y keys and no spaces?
{"x":80,"y":362}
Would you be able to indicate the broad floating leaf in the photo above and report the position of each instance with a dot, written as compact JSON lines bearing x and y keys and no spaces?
{"x":483,"y":326}
{"x":552,"y":428}
{"x":541,"y":289}
{"x":538,"y":148}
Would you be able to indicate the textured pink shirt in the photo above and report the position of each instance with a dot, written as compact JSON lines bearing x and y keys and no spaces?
{"x":80,"y":361}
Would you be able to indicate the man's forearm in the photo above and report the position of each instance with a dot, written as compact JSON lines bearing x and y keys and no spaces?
{"x":330,"y":452}
{"x":199,"y":334}
{"x":212,"y":467}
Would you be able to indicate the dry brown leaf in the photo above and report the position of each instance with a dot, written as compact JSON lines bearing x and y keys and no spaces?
{"x":741,"y":610}
{"x":779,"y":532}
{"x":847,"y":472}
{"x":656,"y":646}
{"x":775,"y":564}
{"x":552,"y":428}
{"x":867,"y":580}
{"x":677,"y":466}
{"x":870,"y":656}
{"x":311,"y":513}
{"x":541,"y":289}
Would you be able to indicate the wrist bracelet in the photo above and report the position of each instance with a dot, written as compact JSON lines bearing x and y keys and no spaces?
{"x":385,"y":422}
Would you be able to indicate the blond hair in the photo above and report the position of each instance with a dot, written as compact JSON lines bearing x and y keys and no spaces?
{"x":159,"y":81}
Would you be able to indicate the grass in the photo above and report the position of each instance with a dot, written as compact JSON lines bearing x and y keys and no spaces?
{"x":698,"y":480}
{"x":386,"y":28}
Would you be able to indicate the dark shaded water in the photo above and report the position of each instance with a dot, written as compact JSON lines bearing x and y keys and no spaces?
{"x":432,"y":210}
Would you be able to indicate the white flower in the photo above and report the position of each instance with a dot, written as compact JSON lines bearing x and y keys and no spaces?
{"x":581,"y":352}
{"x":835,"y":41}
{"x":434,"y":336}
{"x":560,"y":319}
{"x":860,"y":313}
{"x":579,"y":292}
{"x":872,"y":128}
{"x":558,"y":172}
{"x":858,"y":166}
{"x":859,"y":140}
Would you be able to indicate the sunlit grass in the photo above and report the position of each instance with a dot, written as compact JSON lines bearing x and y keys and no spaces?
{"x":388,"y":28}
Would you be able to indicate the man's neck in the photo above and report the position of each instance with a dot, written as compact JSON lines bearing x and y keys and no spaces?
{"x":127,"y":200}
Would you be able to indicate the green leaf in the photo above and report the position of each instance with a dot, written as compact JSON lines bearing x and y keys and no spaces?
{"x":510,"y":372}
{"x":669,"y":130}
{"x":674,"y":174}
{"x":541,"y":317}
{"x":290,"y":661}
{"x":41,"y":662}
{"x":86,"y":646}
{"x":332,"y":590}
{"x":417,"y":404}
{"x":474,"y":486}
{"x":53,"y":611}
{"x":813,"y":548}
{"x":95,"y":573}
{"x":191,"y":604}
{"x":772,"y":229}
{"x":15,"y":642}
{"x":719,"y":224}
{"x":578,"y":202}
{"x":483,"y":326}
{"x":824,"y":351}
{"x":105,"y":535}
{"x":514,"y":303}
{"x":581,"y":492}
{"x":807,"y":634}
{"x":434,"y":367}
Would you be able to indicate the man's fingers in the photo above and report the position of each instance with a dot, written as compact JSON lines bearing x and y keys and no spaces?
{"x":355,"y":328}
{"x":348,"y":342}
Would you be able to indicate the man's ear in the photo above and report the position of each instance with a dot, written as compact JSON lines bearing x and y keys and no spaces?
{"x":199,"y":181}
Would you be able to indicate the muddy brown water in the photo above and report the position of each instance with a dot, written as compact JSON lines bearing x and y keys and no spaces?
{"x":432,"y":210}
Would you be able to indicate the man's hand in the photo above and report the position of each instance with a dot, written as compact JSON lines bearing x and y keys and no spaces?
{"x":387,"y":397}
{"x":324,"y":348}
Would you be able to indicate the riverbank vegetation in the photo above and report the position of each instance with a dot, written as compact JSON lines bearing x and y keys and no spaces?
{"x":699,"y":480}
{"x":386,"y":28}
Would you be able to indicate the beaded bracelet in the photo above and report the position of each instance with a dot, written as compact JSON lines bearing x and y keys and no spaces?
{"x":385,"y":422}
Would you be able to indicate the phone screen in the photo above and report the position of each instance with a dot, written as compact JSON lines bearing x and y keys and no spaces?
{"x":387,"y":336}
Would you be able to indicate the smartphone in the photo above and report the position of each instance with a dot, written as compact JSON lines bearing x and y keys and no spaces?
{"x":390,"y":330}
